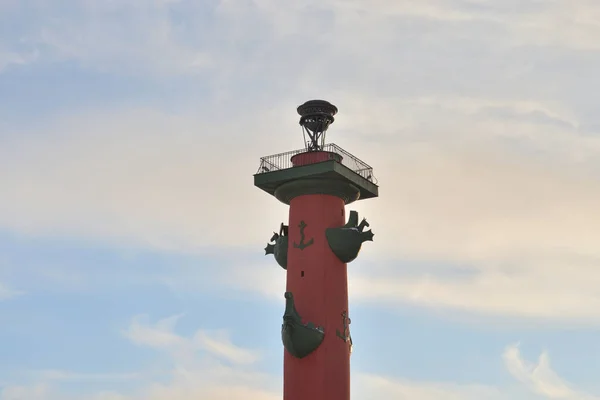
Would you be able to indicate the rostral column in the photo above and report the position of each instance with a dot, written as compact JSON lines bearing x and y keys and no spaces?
{"x":314,"y":248}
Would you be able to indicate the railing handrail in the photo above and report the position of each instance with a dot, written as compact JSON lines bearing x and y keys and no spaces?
{"x":282,"y":161}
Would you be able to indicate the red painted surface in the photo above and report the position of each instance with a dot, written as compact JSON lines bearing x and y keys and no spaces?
{"x":321,"y":295}
{"x":312,"y":157}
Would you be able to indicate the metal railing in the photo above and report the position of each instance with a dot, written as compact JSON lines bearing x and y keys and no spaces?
{"x":284,"y":161}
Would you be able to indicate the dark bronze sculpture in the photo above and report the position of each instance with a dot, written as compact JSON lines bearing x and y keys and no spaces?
{"x":346,"y":241}
{"x":298,"y":338}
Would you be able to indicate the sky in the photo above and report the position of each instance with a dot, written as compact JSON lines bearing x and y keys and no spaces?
{"x":131,"y":235}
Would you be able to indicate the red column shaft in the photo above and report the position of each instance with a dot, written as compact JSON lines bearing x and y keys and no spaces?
{"x":318,"y":280}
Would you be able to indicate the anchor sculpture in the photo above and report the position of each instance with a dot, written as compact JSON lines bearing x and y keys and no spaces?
{"x":345,"y":333}
{"x":303,"y":243}
{"x":280,"y":247}
{"x":346,"y":241}
{"x":299,"y":339}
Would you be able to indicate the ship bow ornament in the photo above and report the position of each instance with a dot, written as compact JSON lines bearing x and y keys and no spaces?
{"x":279,"y":246}
{"x":299,"y":339}
{"x":346,"y":241}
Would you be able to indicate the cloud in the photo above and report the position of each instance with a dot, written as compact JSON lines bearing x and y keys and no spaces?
{"x":159,"y":336}
{"x":379,"y":387}
{"x":503,"y":208}
{"x":540,"y":378}
{"x":507,"y":215}
{"x":71,"y":376}
{"x":219,"y":344}
{"x":535,"y":23}
{"x":509,"y":201}
{"x":162,"y":336}
{"x":497,"y":185}
{"x":163,"y":38}
{"x":137,"y":184}
{"x":204,"y":365}
{"x":108,"y":396}
{"x":9,"y":58}
{"x":492,"y":191}
{"x":7,"y":293}
{"x":578,"y":23}
{"x":539,"y":381}
{"x":211,"y":367}
{"x":199,"y":371}
{"x":129,"y":36}
{"x":35,"y":392}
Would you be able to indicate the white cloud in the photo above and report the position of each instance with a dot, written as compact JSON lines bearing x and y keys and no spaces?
{"x":553,"y":23}
{"x":162,"y":336}
{"x":434,"y":9}
{"x":539,"y":382}
{"x":521,"y":23}
{"x":137,"y":184}
{"x":378,"y":387}
{"x":34,"y":392}
{"x":7,"y":293}
{"x":159,"y":336}
{"x":205,"y":365}
{"x":194,"y":369}
{"x":8,"y":58}
{"x":505,"y":207}
{"x":71,"y":376}
{"x":523,"y":229}
{"x":198,"y":367}
{"x":540,"y":378}
{"x":207,"y":378}
{"x":561,"y":23}
{"x":511,"y":202}
{"x":499,"y":180}
{"x":129,"y":36}
{"x":186,"y":37}
{"x":219,"y":344}
{"x":109,"y":396}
